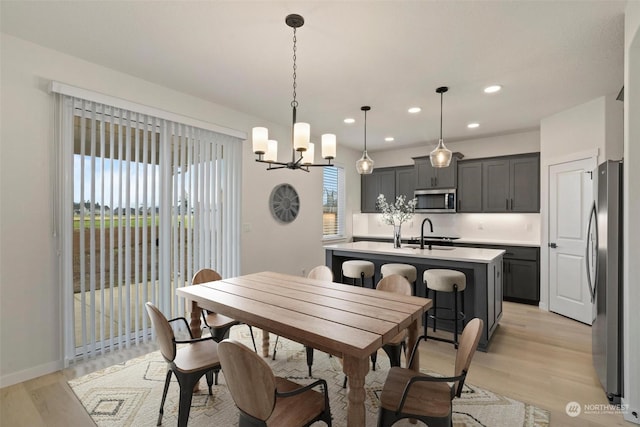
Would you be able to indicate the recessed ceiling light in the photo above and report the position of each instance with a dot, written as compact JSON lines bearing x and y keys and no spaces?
{"x":389,"y":139}
{"x":492,"y":89}
{"x":414,"y":110}
{"x":473,"y":125}
{"x":349,"y":120}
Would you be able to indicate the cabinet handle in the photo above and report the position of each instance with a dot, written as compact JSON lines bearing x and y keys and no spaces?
{"x":432,"y":183}
{"x":511,"y":204}
{"x":506,"y":204}
{"x":436,"y":181}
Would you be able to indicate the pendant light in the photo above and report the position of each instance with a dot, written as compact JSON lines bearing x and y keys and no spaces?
{"x":267,"y":150}
{"x":441,"y":156}
{"x":365,"y":164}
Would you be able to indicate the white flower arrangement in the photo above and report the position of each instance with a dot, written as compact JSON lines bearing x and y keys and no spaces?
{"x":397,"y":213}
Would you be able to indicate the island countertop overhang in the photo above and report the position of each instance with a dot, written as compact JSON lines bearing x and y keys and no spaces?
{"x":445,"y":253}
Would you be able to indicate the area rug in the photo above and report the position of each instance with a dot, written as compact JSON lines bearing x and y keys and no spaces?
{"x":128,"y":394}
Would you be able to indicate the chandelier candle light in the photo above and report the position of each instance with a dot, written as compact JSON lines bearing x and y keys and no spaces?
{"x":396,"y":214}
{"x":441,"y":156}
{"x":267,"y":149}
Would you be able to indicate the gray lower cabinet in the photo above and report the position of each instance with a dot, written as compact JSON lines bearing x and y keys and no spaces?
{"x":522,"y":283}
{"x":388,"y":181}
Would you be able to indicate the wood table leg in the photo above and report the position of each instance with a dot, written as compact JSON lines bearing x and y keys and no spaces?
{"x":196,"y":315}
{"x":356,"y":370}
{"x":265,"y":343}
{"x":413,"y":329}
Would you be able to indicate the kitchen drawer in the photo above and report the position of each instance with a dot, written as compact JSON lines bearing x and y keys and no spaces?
{"x":528,"y":253}
{"x":520,"y":252}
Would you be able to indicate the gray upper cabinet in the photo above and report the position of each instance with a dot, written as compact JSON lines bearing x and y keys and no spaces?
{"x":511,"y":184}
{"x":429,"y":177}
{"x":388,"y":181}
{"x":470,"y":186}
{"x":380,"y":181}
{"x":405,"y":181}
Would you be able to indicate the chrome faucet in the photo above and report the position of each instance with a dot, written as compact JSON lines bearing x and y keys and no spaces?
{"x":422,"y":232}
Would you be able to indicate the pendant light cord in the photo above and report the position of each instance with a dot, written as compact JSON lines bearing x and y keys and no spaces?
{"x":441,"y":94}
{"x":365,"y":131}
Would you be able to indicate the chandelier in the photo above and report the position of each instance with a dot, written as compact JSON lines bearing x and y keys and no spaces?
{"x":441,"y":156}
{"x":267,"y":149}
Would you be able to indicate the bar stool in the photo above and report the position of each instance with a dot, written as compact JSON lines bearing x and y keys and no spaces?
{"x":358,"y":269}
{"x":442,"y":280}
{"x":408,"y":271}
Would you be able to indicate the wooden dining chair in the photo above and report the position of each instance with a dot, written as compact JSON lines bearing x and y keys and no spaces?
{"x":408,"y":394}
{"x":400,"y":285}
{"x":218,"y":324}
{"x":266,"y":400}
{"x":188,"y":363}
{"x":320,"y":272}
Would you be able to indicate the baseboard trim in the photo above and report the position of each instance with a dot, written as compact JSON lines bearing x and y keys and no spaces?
{"x":30,"y":373}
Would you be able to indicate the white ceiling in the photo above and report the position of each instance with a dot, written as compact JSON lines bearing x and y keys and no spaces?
{"x":391,"y":55}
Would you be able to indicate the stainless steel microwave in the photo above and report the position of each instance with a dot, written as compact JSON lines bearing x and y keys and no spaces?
{"x":442,"y":200}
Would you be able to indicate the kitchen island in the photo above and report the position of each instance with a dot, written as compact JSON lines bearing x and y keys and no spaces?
{"x":482,"y":269}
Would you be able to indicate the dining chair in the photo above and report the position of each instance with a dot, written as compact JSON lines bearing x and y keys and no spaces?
{"x":409,"y":394}
{"x":218,"y":324}
{"x":188,"y":363}
{"x":266,"y":400}
{"x":320,"y":272}
{"x":400,"y":285}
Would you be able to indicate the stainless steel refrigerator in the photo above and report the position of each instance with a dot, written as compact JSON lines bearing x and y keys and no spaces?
{"x":604,"y":274}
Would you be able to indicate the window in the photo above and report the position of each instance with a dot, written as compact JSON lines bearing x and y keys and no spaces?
{"x":333,"y":201}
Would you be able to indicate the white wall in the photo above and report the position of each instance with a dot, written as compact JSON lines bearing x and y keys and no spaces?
{"x":585,"y":131}
{"x":631,"y":275}
{"x":30,"y":294}
{"x":501,"y":145}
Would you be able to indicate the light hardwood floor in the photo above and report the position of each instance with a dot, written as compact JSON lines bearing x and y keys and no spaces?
{"x":538,"y":357}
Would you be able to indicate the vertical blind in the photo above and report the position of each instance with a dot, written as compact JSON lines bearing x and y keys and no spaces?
{"x":333,"y":201}
{"x":153,"y":201}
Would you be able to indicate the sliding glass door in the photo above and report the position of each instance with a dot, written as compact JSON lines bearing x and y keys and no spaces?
{"x":153,"y":201}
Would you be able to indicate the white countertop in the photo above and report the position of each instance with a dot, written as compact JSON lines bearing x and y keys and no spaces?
{"x":448,"y":253}
{"x":463,"y":240}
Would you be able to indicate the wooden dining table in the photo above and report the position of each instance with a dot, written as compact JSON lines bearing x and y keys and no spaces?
{"x":346,"y":321}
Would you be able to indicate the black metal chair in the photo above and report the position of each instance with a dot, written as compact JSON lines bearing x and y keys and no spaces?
{"x":264,"y":399}
{"x":218,"y":324}
{"x":188,"y":363}
{"x":409,"y":394}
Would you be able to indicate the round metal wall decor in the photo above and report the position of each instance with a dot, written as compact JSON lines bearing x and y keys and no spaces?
{"x":284,"y":203}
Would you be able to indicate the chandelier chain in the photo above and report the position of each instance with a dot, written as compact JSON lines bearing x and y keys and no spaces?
{"x":294,"y":103}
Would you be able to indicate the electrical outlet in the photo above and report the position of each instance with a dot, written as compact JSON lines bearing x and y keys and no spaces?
{"x":480,"y":226}
{"x":527,"y":227}
{"x":246,"y":227}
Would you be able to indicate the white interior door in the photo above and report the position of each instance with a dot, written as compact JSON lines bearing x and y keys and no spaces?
{"x":570,"y":199}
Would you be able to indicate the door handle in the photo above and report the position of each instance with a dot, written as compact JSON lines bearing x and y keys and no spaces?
{"x":553,"y":245}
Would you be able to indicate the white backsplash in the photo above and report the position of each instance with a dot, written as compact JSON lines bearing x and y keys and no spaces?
{"x":499,"y":227}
